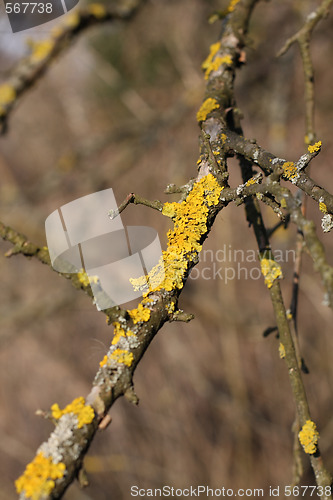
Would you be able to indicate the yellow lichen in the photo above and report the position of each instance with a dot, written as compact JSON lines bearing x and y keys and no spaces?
{"x":169,"y":210}
{"x":190,"y":218}
{"x":216,"y":63}
{"x":214,"y":48}
{"x":85,"y":279}
{"x":84,"y":413}
{"x":308,"y":437}
{"x":40,"y":50}
{"x":72,"y":20}
{"x":207,"y":107}
{"x":232,"y":5}
{"x":97,"y":10}
{"x":271,"y":271}
{"x":57,"y":31}
{"x":251,"y":181}
{"x":315,"y":147}
{"x":139,"y":314}
{"x":122,"y":356}
{"x":119,"y":332}
{"x":104,"y":361}
{"x":290,"y":171}
{"x":38,"y":479}
{"x":322,"y":207}
{"x":7,"y":96}
{"x":213,"y":62}
{"x":282,"y":351}
{"x":170,"y":307}
{"x":283,"y":203}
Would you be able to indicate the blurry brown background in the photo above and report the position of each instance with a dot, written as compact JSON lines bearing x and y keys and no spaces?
{"x":118,"y":110}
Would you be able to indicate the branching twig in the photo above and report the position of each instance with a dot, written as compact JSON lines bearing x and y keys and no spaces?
{"x":219,"y":100}
{"x":303,"y":38}
{"x":21,"y":245}
{"x":137,"y":200}
{"x":43,"y":53}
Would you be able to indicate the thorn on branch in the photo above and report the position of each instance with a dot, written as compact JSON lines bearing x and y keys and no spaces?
{"x":181,"y":316}
{"x":47,"y":415}
{"x":13,"y":251}
{"x":105,"y":422}
{"x":269,"y":330}
{"x":131,"y":395}
{"x":43,"y":414}
{"x":82,"y":478}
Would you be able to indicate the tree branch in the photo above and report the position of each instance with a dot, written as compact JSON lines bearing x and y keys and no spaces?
{"x":45,"y":52}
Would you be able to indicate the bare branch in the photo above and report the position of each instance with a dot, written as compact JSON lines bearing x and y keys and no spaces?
{"x":44,"y":52}
{"x":137,"y":200}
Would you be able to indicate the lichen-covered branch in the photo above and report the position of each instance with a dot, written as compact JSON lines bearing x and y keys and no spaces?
{"x":45,"y":52}
{"x":303,"y":38}
{"x":59,"y":459}
{"x":220,"y":121}
{"x":136,"y":200}
{"x":22,"y":245}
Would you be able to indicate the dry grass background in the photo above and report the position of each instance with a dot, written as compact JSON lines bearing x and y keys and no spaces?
{"x":118,"y":110}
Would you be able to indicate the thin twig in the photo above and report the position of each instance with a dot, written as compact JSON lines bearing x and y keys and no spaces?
{"x":44,"y":53}
{"x":137,"y":200}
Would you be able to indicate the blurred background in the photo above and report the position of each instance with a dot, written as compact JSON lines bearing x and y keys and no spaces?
{"x":119,"y":110}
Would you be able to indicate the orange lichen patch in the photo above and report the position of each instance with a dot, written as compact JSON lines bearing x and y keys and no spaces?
{"x":84,"y":413}
{"x":72,"y":20}
{"x":271,"y":271}
{"x":283,"y":203}
{"x":169,"y":210}
{"x":232,"y":5}
{"x":290,"y":171}
{"x":139,"y":314}
{"x":213,"y":61}
{"x":322,"y":206}
{"x":190,"y":218}
{"x":119,"y":332}
{"x":98,"y":10}
{"x":7,"y":96}
{"x":7,"y":93}
{"x":251,"y":181}
{"x":214,"y":48}
{"x":170,"y":307}
{"x":207,"y":107}
{"x":42,"y":49}
{"x":308,"y":437}
{"x":282,"y":351}
{"x":38,"y":479}
{"x":122,"y":356}
{"x":104,"y":361}
{"x":315,"y":147}
{"x":218,"y":61}
{"x":85,"y":279}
